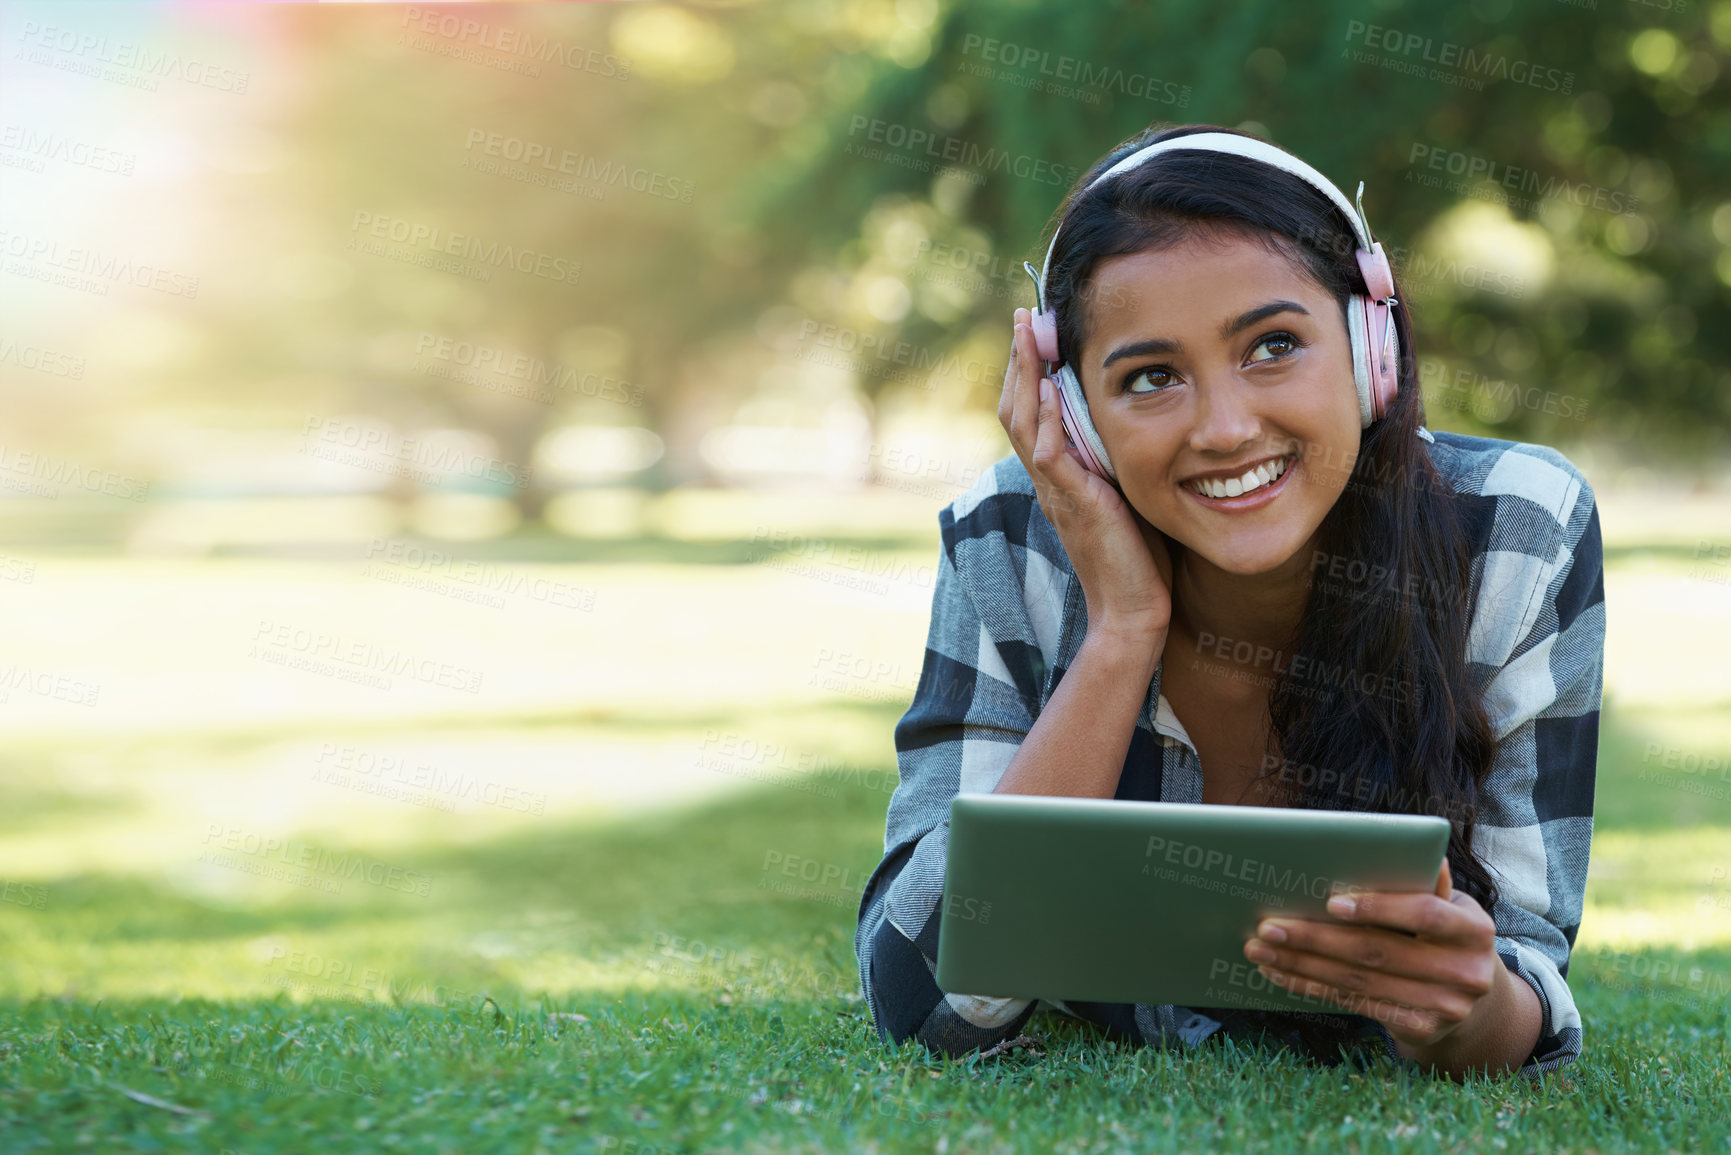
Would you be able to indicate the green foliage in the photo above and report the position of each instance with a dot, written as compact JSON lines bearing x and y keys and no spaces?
{"x":1544,"y":320}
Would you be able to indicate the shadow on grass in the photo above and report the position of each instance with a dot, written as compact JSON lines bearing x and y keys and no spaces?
{"x":612,"y":894}
{"x":767,"y":869}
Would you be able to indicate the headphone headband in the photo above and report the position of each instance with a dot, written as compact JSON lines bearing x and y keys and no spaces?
{"x":1369,"y":320}
{"x":1245,"y":146}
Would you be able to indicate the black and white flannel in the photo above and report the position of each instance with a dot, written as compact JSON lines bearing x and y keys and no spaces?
{"x":1008,"y":617}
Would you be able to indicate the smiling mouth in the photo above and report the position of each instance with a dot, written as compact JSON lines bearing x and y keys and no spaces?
{"x":1252,"y":480}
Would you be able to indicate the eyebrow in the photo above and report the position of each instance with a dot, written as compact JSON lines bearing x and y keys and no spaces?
{"x":1242,"y":321}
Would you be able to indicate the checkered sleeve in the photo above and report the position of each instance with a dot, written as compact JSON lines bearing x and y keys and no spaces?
{"x":1539,"y":623}
{"x":964,"y":721}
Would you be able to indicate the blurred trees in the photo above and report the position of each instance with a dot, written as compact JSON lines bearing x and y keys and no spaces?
{"x":767,"y":115}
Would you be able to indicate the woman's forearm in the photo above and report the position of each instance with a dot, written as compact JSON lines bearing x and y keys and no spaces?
{"x":1077,"y":745}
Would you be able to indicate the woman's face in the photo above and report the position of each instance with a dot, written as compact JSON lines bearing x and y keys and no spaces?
{"x":1209,"y":359}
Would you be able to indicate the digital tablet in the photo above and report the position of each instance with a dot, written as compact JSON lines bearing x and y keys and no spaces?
{"x":1108,"y":900}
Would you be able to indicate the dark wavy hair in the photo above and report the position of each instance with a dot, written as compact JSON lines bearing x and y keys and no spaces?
{"x":1425,"y":747}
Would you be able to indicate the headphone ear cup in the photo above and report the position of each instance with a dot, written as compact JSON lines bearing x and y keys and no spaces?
{"x":1358,"y":337}
{"x":1045,"y":326}
{"x":1388,"y":381}
{"x":1073,"y":407}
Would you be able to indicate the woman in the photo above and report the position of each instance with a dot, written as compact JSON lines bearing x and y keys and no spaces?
{"x":1284,"y":597}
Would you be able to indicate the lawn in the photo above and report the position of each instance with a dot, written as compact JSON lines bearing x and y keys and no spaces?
{"x":247,"y":908}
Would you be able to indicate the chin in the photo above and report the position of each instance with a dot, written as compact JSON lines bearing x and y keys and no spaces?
{"x":1248,"y":559}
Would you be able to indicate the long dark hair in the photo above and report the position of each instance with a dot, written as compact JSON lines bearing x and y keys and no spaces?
{"x":1376,"y":710}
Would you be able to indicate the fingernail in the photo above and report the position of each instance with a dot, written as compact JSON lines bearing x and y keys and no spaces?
{"x":1256,"y":952}
{"x":1271,"y":931}
{"x":1045,"y":389}
{"x":1342,"y":906}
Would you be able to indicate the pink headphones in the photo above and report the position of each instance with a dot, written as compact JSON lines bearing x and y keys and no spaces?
{"x":1369,"y":320}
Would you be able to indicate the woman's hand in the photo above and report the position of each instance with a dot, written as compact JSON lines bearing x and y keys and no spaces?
{"x":1121,"y":560}
{"x":1423,"y":965}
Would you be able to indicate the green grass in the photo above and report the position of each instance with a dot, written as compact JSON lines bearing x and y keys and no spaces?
{"x":619,"y":979}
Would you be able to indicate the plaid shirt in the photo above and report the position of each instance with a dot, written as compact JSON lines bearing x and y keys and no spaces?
{"x":1008,"y":617}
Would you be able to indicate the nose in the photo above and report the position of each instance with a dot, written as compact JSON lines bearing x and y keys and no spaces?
{"x":1225,"y":416}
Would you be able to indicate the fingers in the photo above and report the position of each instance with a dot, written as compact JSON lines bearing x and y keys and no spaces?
{"x":1455,"y":919}
{"x":1054,"y":457}
{"x":1048,"y":430}
{"x":1360,"y":958}
{"x":1013,"y":372}
{"x":1025,"y":420}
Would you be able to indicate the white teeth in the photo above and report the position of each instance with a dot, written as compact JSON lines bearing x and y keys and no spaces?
{"x":1265,"y":474}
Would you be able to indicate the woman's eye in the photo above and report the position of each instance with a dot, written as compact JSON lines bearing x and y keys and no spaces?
{"x":1283,"y":344}
{"x":1160,"y":377}
{"x":1156,"y":376}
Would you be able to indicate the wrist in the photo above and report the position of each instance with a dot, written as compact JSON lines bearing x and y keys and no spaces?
{"x":1495,"y":1037}
{"x":1129,"y":642}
